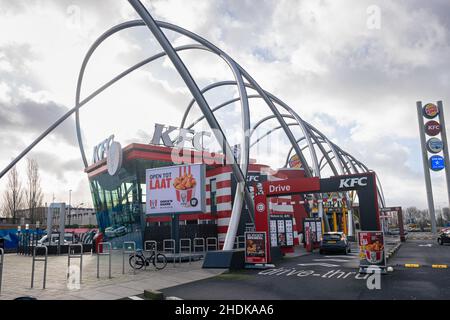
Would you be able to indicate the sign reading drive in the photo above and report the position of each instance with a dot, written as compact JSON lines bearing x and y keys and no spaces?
{"x":176,"y":189}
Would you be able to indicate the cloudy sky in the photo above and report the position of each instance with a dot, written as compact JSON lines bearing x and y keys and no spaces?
{"x":352,"y":68}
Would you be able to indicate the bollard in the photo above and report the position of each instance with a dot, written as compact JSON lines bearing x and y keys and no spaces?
{"x":75,"y":256}
{"x":102,"y":244}
{"x":171,"y":248}
{"x":186,"y":244}
{"x":201,"y":245}
{"x":45,"y":265}
{"x":2,"y":255}
{"x":211,"y":242}
{"x":126,"y":251}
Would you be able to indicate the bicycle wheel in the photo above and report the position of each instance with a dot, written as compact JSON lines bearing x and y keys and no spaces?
{"x":159,"y":261}
{"x":136,"y":262}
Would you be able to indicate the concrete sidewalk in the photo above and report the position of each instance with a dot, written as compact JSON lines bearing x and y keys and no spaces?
{"x":17,"y":278}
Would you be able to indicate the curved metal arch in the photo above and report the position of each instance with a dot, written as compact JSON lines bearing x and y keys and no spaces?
{"x":270,"y":132}
{"x":244,"y":104}
{"x":308,"y":134}
{"x":266,"y":94}
{"x":293,"y":115}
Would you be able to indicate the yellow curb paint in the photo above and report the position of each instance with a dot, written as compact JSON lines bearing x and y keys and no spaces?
{"x":439,"y":266}
{"x":412,"y":265}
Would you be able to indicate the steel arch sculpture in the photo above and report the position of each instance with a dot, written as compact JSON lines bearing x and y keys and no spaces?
{"x":316,"y":142}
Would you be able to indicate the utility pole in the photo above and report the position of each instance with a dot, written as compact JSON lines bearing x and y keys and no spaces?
{"x":70,"y":207}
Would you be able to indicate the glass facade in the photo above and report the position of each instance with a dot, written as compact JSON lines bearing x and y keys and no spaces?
{"x":120,"y":201}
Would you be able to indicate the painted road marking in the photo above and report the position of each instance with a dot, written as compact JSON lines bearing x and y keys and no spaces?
{"x":135,"y":298}
{"x":426,"y":245}
{"x":349,"y":256}
{"x":331,"y":274}
{"x":412,"y":265}
{"x":439,"y":266}
{"x":328,"y":265}
{"x":333,"y":260}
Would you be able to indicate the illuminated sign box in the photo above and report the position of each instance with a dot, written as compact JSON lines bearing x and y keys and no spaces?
{"x":175,"y":189}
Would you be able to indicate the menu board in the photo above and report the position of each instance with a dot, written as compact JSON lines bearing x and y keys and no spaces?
{"x":315,"y":227}
{"x":273,"y":233}
{"x":281,"y":230}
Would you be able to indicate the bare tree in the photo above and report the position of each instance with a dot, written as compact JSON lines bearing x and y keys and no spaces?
{"x":13,"y":195}
{"x":446,"y":214}
{"x":33,"y":193}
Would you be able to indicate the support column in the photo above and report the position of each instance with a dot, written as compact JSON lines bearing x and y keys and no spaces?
{"x":445,"y":149}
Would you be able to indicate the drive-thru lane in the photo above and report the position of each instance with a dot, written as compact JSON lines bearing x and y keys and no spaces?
{"x":318,"y":276}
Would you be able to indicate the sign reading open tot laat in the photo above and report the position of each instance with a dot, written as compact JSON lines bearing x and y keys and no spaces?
{"x":175,"y":189}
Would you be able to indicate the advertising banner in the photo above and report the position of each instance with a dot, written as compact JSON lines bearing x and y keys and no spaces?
{"x":371,"y":249}
{"x":255,"y":247}
{"x":175,"y":189}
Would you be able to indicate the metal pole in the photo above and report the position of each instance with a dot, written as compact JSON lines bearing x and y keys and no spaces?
{"x":198,"y":96}
{"x":2,"y":254}
{"x":445,"y":149}
{"x":426,"y":168}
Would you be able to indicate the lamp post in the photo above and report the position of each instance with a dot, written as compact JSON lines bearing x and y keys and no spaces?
{"x":70,"y":207}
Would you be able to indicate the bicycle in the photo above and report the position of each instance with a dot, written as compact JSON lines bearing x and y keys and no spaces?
{"x":138,"y":260}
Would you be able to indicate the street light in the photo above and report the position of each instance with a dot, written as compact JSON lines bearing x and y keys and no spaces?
{"x":70,"y":208}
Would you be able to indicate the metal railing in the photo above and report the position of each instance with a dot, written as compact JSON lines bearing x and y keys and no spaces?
{"x":102,"y":245}
{"x":151,"y":246}
{"x":2,"y":256}
{"x":199,"y":243}
{"x":170,"y":249}
{"x":42,"y":260}
{"x":240,"y":240}
{"x":75,"y":255}
{"x":211,"y":242}
{"x":186,"y":243}
{"x":126,"y":251}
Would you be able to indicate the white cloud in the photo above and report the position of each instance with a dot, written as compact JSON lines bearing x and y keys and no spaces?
{"x":358,"y":86}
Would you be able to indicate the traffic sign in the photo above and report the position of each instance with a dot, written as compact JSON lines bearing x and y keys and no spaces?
{"x":437,"y":163}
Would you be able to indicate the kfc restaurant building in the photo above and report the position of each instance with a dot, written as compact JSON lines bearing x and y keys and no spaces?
{"x":119,"y":187}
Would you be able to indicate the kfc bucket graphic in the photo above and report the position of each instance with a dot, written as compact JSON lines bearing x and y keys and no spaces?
{"x":184,"y":186}
{"x":371,"y":248}
{"x":176,"y":189}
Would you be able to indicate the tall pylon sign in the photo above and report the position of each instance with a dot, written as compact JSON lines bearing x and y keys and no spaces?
{"x":433,"y":140}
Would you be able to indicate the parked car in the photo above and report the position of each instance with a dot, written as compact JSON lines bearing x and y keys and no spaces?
{"x":336,"y":242}
{"x":112,"y":232}
{"x":109,"y":232}
{"x":120,"y":231}
{"x":444,"y":237}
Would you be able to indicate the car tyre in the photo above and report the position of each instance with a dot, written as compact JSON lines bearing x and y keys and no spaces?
{"x":440,"y":242}
{"x":320,"y":251}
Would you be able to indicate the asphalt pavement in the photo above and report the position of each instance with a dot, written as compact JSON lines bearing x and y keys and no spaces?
{"x":333,"y":277}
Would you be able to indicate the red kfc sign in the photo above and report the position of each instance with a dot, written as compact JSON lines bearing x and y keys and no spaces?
{"x":432,"y":128}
